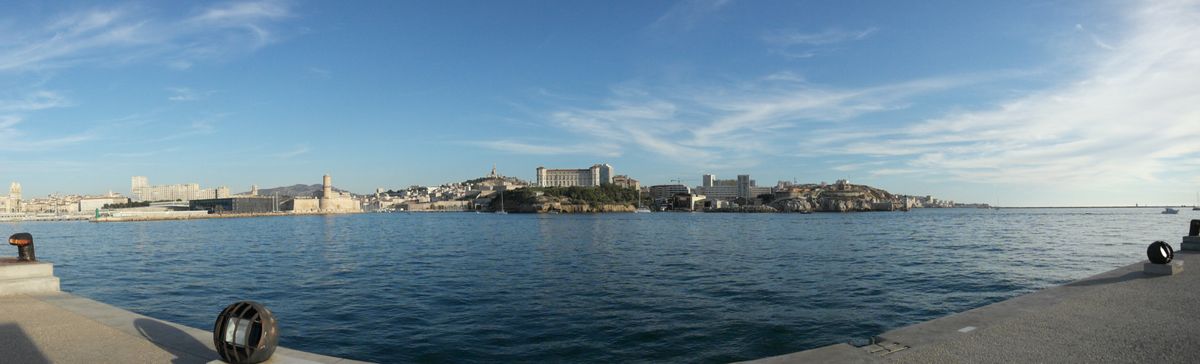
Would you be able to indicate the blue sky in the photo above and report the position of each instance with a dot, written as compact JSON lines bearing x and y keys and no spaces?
{"x":1014,"y":102}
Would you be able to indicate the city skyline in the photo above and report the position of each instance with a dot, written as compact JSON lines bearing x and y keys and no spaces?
{"x":1018,"y":103}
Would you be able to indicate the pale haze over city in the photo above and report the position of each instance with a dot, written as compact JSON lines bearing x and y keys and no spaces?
{"x":1013,"y":103}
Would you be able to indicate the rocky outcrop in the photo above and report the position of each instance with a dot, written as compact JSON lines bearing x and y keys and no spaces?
{"x":751,"y":208}
{"x":832,"y":204}
{"x":575,"y":208}
{"x":548,"y":204}
{"x":793,"y":205}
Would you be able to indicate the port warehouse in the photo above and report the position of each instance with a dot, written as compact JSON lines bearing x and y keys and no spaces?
{"x":234,"y":205}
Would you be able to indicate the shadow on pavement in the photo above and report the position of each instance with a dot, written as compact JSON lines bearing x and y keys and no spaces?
{"x":16,"y":347}
{"x":175,"y":341}
{"x":1122,"y":278}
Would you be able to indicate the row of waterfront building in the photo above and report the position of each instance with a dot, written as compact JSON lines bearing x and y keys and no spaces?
{"x":468,"y":195}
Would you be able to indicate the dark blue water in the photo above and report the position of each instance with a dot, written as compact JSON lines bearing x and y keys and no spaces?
{"x":603,"y":288}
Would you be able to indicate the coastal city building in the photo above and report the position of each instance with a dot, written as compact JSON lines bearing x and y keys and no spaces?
{"x":668,"y":192}
{"x":235,"y":205}
{"x":142,"y":190}
{"x":730,"y":189}
{"x":687,"y":202}
{"x":590,"y":177}
{"x":626,"y":182}
{"x":326,"y":201}
{"x":91,"y":204}
{"x":494,"y":181}
{"x":12,"y":202}
{"x":717,"y":189}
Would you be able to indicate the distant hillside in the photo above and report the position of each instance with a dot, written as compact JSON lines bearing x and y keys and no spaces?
{"x":293,"y":190}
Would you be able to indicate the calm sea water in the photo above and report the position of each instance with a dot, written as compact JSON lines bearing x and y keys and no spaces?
{"x":674,"y":287}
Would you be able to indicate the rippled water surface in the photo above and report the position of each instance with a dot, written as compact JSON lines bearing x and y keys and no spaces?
{"x":603,"y":288}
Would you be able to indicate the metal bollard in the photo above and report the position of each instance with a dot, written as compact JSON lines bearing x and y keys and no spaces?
{"x":1160,"y":252}
{"x":24,"y":244}
{"x":245,"y":333}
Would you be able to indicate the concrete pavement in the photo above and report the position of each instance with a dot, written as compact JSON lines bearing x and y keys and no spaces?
{"x":1121,"y":316}
{"x":63,"y":328}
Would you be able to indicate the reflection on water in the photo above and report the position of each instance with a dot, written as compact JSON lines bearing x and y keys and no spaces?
{"x":591,"y":288}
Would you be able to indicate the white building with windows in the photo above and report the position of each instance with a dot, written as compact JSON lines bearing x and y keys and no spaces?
{"x":590,"y":177}
{"x":141,"y":190}
{"x":668,"y":192}
{"x":730,"y":189}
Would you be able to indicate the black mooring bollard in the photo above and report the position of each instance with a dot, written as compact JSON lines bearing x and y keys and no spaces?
{"x":1160,"y":252}
{"x":24,"y":244}
{"x":1195,"y":229}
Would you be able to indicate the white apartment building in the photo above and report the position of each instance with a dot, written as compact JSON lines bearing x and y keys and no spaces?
{"x":730,"y":189}
{"x":141,"y":190}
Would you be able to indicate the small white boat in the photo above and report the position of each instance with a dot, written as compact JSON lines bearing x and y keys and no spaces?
{"x":1171,"y":211}
{"x":640,"y":209}
{"x":501,"y":210}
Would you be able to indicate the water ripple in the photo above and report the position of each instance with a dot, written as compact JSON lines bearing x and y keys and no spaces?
{"x":591,"y":288}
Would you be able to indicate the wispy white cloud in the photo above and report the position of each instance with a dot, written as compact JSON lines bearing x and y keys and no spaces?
{"x":829,"y":36}
{"x":518,"y":147}
{"x":122,"y":35}
{"x":199,"y":127}
{"x":292,"y":153}
{"x":796,"y":44}
{"x":7,"y":126}
{"x":186,"y":94}
{"x":738,"y":125}
{"x":241,"y":13}
{"x":857,"y":166}
{"x":15,"y":140}
{"x":320,"y":72}
{"x":141,"y":154}
{"x":1134,"y":113}
{"x":1130,"y":117}
{"x":685,"y":14}
{"x":33,"y":101}
{"x":1095,"y":38}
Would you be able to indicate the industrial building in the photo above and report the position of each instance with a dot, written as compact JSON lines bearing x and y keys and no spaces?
{"x":141,"y":190}
{"x":234,"y":205}
{"x":89,"y":204}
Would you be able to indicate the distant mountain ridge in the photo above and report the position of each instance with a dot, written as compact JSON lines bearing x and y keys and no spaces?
{"x":296,"y":190}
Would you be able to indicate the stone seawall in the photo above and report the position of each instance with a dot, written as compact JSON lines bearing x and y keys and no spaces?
{"x":134,"y":218}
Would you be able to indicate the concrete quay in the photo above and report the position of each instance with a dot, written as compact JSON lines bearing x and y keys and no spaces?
{"x":1122,"y":316}
{"x":39,"y":324}
{"x":201,"y":215}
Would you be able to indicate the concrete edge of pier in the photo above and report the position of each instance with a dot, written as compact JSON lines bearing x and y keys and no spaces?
{"x":1125,"y":315}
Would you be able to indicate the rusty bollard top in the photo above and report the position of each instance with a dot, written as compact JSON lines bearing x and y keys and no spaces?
{"x":20,"y":239}
{"x":24,"y":244}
